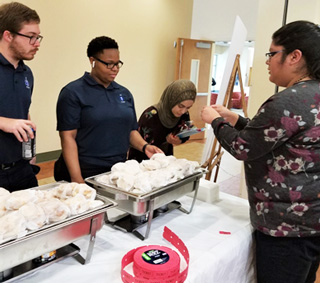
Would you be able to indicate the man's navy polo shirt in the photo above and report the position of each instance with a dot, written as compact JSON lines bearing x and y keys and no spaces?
{"x":15,"y":98}
{"x":103,"y":118}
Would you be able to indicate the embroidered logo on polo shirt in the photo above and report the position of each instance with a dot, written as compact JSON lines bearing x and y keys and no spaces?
{"x":26,"y":82}
{"x":121,"y":98}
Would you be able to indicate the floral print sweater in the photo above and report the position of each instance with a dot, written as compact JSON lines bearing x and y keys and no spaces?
{"x":280,"y":148}
{"x":153,"y":132}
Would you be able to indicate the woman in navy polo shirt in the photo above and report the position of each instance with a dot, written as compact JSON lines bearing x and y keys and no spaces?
{"x":96,"y":118}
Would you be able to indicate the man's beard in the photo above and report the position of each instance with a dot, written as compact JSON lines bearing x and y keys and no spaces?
{"x":19,"y":53}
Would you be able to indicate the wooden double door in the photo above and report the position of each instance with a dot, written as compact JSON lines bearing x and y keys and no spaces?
{"x":194,"y":62}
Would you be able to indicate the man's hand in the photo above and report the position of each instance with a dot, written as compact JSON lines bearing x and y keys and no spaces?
{"x":19,"y":127}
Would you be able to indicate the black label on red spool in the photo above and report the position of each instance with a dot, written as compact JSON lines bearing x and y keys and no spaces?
{"x":155,"y":256}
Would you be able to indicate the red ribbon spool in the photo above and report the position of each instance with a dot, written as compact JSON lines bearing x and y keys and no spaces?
{"x":156,"y":264}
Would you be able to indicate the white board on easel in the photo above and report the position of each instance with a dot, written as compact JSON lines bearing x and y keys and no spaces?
{"x":236,"y":47}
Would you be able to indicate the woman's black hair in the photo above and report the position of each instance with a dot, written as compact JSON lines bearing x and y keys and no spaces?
{"x":97,"y":45}
{"x":305,"y":36}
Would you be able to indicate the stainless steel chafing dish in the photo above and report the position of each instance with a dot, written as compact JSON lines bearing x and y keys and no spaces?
{"x":146,"y":204}
{"x":55,"y":236}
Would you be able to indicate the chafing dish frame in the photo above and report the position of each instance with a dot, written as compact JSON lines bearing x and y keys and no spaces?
{"x":56,"y":235}
{"x":139,"y":205}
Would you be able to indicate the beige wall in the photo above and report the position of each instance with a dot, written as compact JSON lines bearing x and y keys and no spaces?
{"x":144,"y":29}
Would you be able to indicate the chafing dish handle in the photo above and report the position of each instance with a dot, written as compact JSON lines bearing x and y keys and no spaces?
{"x":196,"y":187}
{"x":93,"y":232}
{"x":150,"y":216}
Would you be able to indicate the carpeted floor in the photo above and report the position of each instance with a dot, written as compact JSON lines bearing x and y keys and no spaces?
{"x":229,"y":174}
{"x":190,"y":150}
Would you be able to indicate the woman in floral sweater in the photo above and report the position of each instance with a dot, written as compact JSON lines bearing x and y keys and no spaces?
{"x":159,"y":124}
{"x":280,"y":148}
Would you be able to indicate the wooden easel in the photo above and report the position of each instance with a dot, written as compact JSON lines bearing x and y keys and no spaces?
{"x":228,"y":97}
{"x":216,"y":154}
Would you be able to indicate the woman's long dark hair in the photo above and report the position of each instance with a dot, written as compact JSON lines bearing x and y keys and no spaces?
{"x":305,"y":36}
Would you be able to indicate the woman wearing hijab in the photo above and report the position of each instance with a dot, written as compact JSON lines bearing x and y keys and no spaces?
{"x":160,"y":123}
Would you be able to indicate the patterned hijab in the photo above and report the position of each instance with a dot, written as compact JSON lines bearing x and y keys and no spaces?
{"x":175,"y":93}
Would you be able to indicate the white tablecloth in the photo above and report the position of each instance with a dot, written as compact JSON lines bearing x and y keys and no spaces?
{"x":214,"y":257}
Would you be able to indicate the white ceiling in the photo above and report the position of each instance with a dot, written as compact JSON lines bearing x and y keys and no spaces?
{"x":214,"y":19}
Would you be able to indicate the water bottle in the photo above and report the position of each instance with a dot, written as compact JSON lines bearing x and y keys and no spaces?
{"x":29,"y":147}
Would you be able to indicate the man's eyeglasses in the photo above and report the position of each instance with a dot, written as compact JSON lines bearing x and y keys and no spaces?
{"x":32,"y":38}
{"x":269,"y":55}
{"x":119,"y":64}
